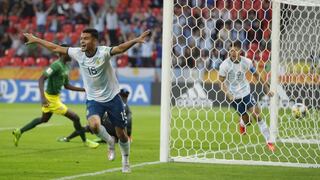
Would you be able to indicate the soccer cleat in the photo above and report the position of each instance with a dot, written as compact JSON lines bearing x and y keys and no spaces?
{"x":111,"y":150}
{"x":91,"y":144}
{"x":242,"y":129}
{"x":17,"y":134}
{"x":271,"y":147}
{"x":63,"y":139}
{"x":126,"y":168}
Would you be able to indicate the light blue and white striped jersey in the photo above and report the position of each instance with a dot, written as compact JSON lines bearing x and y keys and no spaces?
{"x":98,"y":76}
{"x":235,"y":74}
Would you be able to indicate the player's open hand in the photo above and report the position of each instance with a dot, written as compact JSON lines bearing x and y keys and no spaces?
{"x":45,"y":102}
{"x":142,"y":37}
{"x":30,"y":38}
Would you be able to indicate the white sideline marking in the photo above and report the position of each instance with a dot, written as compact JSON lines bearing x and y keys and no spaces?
{"x":45,"y":125}
{"x":106,"y":171}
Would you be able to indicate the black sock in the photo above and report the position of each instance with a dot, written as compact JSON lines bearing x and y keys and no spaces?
{"x":31,"y":125}
{"x":79,"y":130}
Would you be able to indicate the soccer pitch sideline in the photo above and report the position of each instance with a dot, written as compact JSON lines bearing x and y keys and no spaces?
{"x":40,"y":156}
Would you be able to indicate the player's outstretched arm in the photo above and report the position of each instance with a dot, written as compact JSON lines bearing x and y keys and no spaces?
{"x":125,"y":46}
{"x":224,"y":88}
{"x":41,"y":81}
{"x":266,"y":85}
{"x":49,"y":45}
{"x":74,"y":88}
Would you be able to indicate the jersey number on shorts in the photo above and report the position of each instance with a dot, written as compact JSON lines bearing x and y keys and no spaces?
{"x":92,"y":70}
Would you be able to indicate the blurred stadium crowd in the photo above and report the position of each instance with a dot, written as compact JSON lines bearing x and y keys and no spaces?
{"x":62,"y":21}
{"x":203,"y":29}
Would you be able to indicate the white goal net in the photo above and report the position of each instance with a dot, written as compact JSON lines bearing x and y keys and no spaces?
{"x":198,"y":123}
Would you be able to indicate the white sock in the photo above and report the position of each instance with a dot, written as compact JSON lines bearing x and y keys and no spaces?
{"x":103,"y":134}
{"x":125,"y":151}
{"x":264,"y":129}
{"x":242,"y":123}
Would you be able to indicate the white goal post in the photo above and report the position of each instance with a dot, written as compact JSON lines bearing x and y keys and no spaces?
{"x":197,"y":122}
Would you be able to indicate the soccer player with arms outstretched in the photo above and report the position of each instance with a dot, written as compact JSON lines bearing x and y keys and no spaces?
{"x":233,"y":82}
{"x":56,"y":76}
{"x":101,"y":85}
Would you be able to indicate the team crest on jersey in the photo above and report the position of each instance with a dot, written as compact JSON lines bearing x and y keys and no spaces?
{"x":98,"y":62}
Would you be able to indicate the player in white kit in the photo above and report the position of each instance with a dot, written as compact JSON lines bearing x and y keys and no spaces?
{"x":232,"y":75}
{"x":101,"y":86}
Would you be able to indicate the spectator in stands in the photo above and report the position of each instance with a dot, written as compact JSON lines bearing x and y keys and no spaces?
{"x":133,"y":52}
{"x":77,"y":7}
{"x":63,"y":8}
{"x":5,"y":42}
{"x":27,"y":9}
{"x":112,"y":26}
{"x":203,"y":63}
{"x":54,"y":25}
{"x":16,"y":10}
{"x":41,"y":16}
{"x":125,"y":27}
{"x":215,"y":59}
{"x":147,"y":49}
{"x":98,"y":19}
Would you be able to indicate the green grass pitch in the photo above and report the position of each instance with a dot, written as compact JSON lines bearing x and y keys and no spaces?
{"x":40,"y":156}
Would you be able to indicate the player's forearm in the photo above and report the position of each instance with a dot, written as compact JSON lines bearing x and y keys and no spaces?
{"x":41,"y":86}
{"x":73,"y":88}
{"x":125,"y":46}
{"x":51,"y":46}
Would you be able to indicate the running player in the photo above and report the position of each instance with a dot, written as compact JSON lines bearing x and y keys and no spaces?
{"x":232,"y":75}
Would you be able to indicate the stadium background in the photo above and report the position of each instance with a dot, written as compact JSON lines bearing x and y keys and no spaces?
{"x":203,"y":34}
{"x":40,"y":157}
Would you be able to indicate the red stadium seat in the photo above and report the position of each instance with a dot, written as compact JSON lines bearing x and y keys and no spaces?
{"x":24,"y":23}
{"x":74,"y":38}
{"x":49,"y":36}
{"x":60,"y":36}
{"x":42,"y":62}
{"x":10,"y":53}
{"x":4,"y":61}
{"x":254,"y":46}
{"x":67,"y":28}
{"x":79,"y":28}
{"x":265,"y":55}
{"x":100,"y":2}
{"x":16,"y":61}
{"x":61,"y":18}
{"x":29,"y":61}
{"x":122,"y":61}
{"x":14,"y":19}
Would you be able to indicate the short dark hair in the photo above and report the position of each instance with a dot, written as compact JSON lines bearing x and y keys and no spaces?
{"x":236,"y":44}
{"x":94,"y":33}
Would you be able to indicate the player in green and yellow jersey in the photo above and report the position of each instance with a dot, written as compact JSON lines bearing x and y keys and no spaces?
{"x":57,"y":77}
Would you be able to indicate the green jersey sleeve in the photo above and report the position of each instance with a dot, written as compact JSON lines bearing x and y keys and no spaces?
{"x":66,"y":80}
